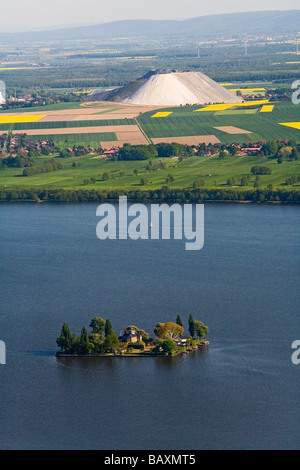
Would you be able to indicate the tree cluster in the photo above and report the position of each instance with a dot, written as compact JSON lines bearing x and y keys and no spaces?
{"x":49,"y":165}
{"x":102,"y":339}
{"x":261,"y":170}
{"x":167,"y":333}
{"x":146,"y":152}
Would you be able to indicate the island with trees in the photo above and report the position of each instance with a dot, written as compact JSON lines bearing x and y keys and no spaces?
{"x":103,"y":340}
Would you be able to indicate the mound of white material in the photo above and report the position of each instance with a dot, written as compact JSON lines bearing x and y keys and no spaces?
{"x":175,"y":89}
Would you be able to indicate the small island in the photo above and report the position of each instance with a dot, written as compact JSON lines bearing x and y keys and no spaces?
{"x":103,"y":340}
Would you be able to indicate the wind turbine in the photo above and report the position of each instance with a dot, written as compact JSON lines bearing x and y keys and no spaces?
{"x":245,"y":41}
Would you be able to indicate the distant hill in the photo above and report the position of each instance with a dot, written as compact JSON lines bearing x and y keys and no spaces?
{"x":205,"y":27}
{"x":169,"y":89}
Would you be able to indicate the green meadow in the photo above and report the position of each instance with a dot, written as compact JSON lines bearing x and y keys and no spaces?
{"x":212,"y":171}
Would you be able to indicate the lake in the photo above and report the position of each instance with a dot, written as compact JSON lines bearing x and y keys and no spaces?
{"x":240,"y":392}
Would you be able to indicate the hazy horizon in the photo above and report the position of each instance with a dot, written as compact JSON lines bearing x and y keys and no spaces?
{"x":34,"y":15}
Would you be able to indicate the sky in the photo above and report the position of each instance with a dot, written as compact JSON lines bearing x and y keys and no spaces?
{"x":24,"y":15}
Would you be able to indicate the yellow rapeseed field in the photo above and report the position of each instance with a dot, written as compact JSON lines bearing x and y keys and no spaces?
{"x":215,"y":107}
{"x":161,"y":114}
{"x":17,"y":68}
{"x":245,"y":90}
{"x":252,"y":103}
{"x":294,"y":125}
{"x":20,"y":118}
{"x":267,"y":109}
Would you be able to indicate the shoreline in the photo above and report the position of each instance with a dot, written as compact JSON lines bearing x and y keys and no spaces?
{"x":149,"y":201}
{"x":162,"y":195}
{"x":178,"y":353}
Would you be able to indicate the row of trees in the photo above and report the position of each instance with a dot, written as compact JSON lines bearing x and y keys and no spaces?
{"x":165,"y":194}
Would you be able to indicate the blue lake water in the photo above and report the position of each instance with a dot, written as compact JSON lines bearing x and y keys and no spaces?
{"x":241,"y":392}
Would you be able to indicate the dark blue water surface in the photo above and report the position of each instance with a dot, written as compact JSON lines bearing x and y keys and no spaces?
{"x":241,"y":392}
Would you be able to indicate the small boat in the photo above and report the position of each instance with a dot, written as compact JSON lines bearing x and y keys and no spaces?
{"x":151,"y":225}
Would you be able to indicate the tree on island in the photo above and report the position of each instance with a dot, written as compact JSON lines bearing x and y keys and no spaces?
{"x":98,"y":325}
{"x":108,"y":328}
{"x":178,"y":320}
{"x":196,"y":327}
{"x":111,"y":342}
{"x":64,"y":342}
{"x":191,"y":325}
{"x":168,"y":330}
{"x":85,"y":346}
{"x":166,"y":346}
{"x":200,"y":329}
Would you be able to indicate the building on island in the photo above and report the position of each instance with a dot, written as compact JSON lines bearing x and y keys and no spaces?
{"x":130,"y":336}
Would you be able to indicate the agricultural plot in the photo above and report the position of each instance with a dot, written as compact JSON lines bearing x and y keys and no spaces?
{"x":267,"y":109}
{"x":294,"y":125}
{"x":260,"y":126}
{"x":232,"y":130}
{"x":65,"y":124}
{"x":50,"y":107}
{"x":111,"y":135}
{"x":232,"y":112}
{"x":214,"y":107}
{"x":162,"y":114}
{"x":21,"y":119}
{"x":95,"y":140}
{"x":254,"y":121}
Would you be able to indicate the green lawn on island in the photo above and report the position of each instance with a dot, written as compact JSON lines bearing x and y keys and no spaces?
{"x":213,"y":171}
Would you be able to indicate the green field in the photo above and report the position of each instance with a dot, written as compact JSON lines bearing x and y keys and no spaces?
{"x":65,"y":124}
{"x":184,"y":121}
{"x":49,"y":107}
{"x":212,"y":170}
{"x":261,"y":126}
{"x":94,"y":139}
